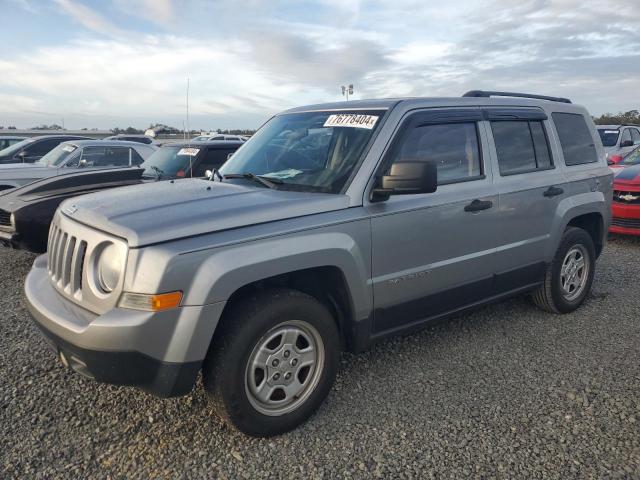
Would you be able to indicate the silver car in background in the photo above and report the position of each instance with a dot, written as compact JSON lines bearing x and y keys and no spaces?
{"x":619,"y":140}
{"x":75,"y":155}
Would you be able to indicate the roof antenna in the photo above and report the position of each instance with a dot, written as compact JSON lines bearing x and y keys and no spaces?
{"x":188,"y":132}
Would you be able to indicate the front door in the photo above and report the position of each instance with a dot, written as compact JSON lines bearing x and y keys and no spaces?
{"x":433,"y":253}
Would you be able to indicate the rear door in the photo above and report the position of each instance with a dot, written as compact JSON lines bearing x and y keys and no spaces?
{"x":433,"y":253}
{"x":530,"y":185}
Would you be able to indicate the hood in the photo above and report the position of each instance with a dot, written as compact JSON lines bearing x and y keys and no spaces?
{"x":66,"y":185}
{"x":627,"y":176}
{"x":25,"y":171}
{"x":164,"y":211}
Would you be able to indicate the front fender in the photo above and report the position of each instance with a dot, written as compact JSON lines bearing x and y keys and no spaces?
{"x":226,"y":269}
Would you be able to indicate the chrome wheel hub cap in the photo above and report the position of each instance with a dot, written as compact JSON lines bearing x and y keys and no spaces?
{"x":284,"y":368}
{"x":574,"y":272}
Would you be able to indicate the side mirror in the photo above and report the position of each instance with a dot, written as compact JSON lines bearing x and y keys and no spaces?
{"x":208,"y":174}
{"x":627,"y":143}
{"x":82,"y":162}
{"x":230,"y":155}
{"x":22,"y":155}
{"x":407,"y":178}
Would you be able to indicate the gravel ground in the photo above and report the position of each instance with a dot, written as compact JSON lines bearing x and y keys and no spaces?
{"x":507,"y":391}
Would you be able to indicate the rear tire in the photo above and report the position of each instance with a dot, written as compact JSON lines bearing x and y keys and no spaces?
{"x":272,"y":362}
{"x":569,"y":277}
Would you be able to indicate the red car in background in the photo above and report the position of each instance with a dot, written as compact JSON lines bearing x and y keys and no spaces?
{"x":626,"y":195}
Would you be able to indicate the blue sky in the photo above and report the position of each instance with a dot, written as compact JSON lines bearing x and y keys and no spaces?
{"x":125,"y":62}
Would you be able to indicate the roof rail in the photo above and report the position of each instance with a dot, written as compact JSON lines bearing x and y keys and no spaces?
{"x":486,"y":93}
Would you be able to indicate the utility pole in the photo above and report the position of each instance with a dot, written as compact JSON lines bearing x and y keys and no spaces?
{"x":347,"y":90}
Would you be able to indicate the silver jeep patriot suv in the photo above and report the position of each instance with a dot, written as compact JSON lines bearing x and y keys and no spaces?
{"x":334,"y":226}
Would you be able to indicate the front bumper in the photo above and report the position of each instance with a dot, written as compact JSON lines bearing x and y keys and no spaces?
{"x":9,"y":239}
{"x":626,"y":219}
{"x":159,"y":352}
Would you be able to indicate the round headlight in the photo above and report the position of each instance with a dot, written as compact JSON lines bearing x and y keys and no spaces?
{"x":110,"y":267}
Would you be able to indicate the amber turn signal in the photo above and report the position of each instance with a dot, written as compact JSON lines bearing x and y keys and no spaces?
{"x":153,"y":303}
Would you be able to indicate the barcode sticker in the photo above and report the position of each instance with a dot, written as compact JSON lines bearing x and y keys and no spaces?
{"x":192,"y":152}
{"x":352,"y":121}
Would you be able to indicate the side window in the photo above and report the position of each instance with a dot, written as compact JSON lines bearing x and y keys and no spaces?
{"x":626,"y":136}
{"x":136,"y":159}
{"x":213,"y":159}
{"x":114,"y":156}
{"x":453,"y":146}
{"x":39,"y":149}
{"x":635,"y":136}
{"x":521,"y":146}
{"x":92,"y":156}
{"x":575,"y":138}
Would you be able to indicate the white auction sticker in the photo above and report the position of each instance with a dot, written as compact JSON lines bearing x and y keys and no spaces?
{"x":611,"y":131}
{"x":192,"y":152}
{"x":351,"y":120}
{"x":68,"y":148}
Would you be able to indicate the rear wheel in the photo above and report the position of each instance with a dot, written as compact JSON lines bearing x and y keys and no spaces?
{"x":273,"y":361}
{"x":569,"y":277}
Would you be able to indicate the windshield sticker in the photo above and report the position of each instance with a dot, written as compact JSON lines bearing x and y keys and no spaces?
{"x":611,"y":131}
{"x":68,"y":148}
{"x":192,"y":152}
{"x":351,"y":120}
{"x":289,"y":173}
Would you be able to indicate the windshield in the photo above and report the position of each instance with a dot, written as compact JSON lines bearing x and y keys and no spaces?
{"x":609,"y":137}
{"x":16,"y":147}
{"x":57,"y":156}
{"x":170,"y":161}
{"x":632,"y":159}
{"x":313,"y":151}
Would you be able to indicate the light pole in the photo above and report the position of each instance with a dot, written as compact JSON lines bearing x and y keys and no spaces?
{"x":346,"y":91}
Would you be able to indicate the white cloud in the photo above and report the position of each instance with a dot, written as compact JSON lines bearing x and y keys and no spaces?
{"x":89,"y":18}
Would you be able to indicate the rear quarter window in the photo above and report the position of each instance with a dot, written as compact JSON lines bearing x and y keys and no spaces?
{"x":575,"y":137}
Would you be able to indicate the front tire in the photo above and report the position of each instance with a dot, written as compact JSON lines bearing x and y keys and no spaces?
{"x":569,"y":277}
{"x":273,"y":361}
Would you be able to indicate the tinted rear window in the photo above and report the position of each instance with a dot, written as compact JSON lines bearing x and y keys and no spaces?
{"x":609,"y":137}
{"x":577,"y":144}
{"x":521,"y":146}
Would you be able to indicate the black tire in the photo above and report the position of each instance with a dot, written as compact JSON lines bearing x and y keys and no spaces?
{"x":242,"y":330}
{"x":549,"y":296}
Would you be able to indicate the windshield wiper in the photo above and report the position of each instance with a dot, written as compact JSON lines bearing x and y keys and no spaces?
{"x":266,"y":181}
{"x":159,"y":171}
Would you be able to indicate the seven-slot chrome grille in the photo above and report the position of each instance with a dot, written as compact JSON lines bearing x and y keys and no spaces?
{"x":66,"y":255}
{"x":72,"y":253}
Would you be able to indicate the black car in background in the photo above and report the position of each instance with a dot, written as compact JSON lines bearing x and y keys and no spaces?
{"x":190,"y":159}
{"x":32,"y":149}
{"x":26,"y":212}
{"x":7,"y":141}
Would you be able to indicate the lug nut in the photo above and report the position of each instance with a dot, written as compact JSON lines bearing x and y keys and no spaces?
{"x":287,"y":353}
{"x":287,"y":375}
{"x":294,"y":362}
{"x":275,"y":362}
{"x":276,"y":376}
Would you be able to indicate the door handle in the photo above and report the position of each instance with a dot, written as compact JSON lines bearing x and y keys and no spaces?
{"x":478,"y":205}
{"x":553,"y":191}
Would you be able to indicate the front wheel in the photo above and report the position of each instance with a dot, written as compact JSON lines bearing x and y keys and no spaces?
{"x":569,"y":278}
{"x":273,"y":362}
